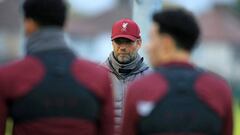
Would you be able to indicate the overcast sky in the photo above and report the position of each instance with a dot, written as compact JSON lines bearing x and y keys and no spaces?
{"x":199,"y":6}
{"x":92,"y":7}
{"x":95,"y":7}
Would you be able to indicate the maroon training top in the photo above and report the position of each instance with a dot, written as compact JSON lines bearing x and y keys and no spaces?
{"x":17,"y":80}
{"x":211,"y":89}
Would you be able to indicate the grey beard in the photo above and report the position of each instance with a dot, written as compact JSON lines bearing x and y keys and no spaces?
{"x":124,"y":69}
{"x":131,"y":58}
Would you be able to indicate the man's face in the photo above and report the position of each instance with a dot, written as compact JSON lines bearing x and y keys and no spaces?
{"x":125,"y":50}
{"x":157,"y":48}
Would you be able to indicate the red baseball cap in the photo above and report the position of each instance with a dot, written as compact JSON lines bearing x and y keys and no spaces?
{"x":125,"y":28}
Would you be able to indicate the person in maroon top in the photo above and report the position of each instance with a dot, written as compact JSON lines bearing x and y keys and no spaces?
{"x":177,"y":98}
{"x":50,"y":91}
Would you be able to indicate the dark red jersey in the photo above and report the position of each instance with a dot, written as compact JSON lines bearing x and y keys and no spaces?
{"x":51,"y":92}
{"x":178,"y":99}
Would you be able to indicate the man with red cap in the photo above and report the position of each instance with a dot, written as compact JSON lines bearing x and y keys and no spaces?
{"x":124,"y":62}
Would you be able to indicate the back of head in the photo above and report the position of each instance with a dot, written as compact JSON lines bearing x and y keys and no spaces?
{"x":46,"y":12}
{"x":180,"y":24}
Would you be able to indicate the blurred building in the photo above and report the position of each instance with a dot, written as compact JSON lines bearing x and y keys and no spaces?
{"x":9,"y":30}
{"x":220,"y":46}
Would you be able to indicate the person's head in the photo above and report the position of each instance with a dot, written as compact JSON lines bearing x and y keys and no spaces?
{"x":126,"y":40}
{"x":43,"y":13}
{"x":173,"y":35}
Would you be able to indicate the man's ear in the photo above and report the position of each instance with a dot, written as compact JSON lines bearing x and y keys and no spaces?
{"x":139,"y":43}
{"x":30,"y":26}
{"x":169,"y":44}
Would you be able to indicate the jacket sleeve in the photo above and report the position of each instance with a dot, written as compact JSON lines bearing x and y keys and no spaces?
{"x":3,"y":106}
{"x":228,"y":118}
{"x":107,"y":114}
{"x":3,"y":115}
{"x":130,"y":114}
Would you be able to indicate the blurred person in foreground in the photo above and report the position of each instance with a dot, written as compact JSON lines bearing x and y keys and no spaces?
{"x":124,"y":62}
{"x":51,"y":91}
{"x":178,"y":98}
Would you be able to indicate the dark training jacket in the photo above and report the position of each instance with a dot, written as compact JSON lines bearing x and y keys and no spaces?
{"x":178,"y":99}
{"x":52,"y":92}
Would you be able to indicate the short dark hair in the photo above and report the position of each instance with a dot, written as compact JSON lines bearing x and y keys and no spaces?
{"x":46,"y":12}
{"x":180,"y":24}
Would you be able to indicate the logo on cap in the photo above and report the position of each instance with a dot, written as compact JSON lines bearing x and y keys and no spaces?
{"x":124,"y":27}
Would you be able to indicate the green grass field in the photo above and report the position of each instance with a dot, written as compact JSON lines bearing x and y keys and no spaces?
{"x":236,"y":119}
{"x":236,"y":122}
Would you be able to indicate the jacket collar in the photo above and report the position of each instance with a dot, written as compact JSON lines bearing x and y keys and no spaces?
{"x":124,"y":70}
{"x":177,"y":64}
{"x":46,"y":39}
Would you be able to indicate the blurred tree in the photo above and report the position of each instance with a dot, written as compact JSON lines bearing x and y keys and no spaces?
{"x":238,"y":5}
